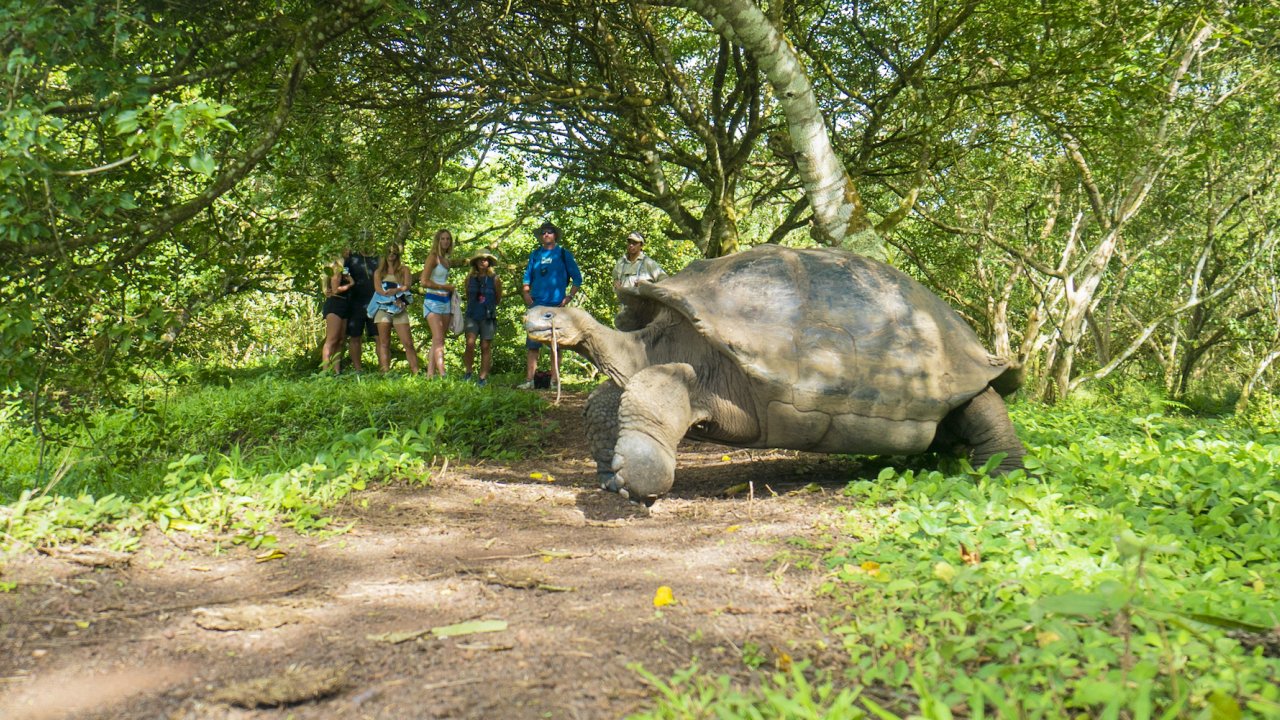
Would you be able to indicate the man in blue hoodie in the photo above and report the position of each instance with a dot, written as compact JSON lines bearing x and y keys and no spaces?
{"x":547,"y":281}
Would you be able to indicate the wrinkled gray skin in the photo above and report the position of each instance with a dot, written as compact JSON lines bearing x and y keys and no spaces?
{"x":818,"y":350}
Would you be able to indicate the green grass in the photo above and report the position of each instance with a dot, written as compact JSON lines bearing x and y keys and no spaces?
{"x":240,"y":457}
{"x":1131,"y":573}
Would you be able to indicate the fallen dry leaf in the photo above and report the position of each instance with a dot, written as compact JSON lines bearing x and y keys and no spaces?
{"x":293,"y":685}
{"x":469,"y":628}
{"x":246,"y":617}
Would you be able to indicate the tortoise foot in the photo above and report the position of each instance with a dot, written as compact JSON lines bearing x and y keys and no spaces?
{"x":644,"y":469}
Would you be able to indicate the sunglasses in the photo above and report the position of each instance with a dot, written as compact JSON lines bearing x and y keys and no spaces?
{"x":634,"y":242}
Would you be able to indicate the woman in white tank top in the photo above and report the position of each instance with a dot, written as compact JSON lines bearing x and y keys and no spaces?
{"x":436,"y":294}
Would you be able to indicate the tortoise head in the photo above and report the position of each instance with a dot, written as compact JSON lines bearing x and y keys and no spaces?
{"x":570,"y":326}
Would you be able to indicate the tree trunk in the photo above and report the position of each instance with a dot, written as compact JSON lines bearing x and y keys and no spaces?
{"x":839,"y":217}
{"x":1242,"y":404}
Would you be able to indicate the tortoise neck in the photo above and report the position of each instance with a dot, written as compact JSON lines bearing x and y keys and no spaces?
{"x":616,"y":353}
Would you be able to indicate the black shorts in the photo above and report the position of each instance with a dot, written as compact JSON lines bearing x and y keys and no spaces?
{"x":339,"y":306}
{"x":360,"y":320}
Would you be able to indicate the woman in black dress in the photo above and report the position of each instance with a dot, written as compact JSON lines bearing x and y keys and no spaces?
{"x":337,"y":308}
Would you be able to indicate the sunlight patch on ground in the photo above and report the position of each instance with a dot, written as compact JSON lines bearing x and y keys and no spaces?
{"x":69,"y":690}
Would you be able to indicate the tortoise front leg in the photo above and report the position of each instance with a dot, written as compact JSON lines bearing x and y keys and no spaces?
{"x":601,"y":413}
{"x":654,"y":414}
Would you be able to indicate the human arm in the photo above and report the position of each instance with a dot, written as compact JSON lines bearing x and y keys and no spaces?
{"x":617,"y":273}
{"x":528,"y":275}
{"x":340,"y":282}
{"x":656,"y":272}
{"x":379,"y":277}
{"x":575,"y":277}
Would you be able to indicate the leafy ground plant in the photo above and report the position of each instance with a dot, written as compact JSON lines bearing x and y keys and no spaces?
{"x":1129,"y":573}
{"x":241,"y":458}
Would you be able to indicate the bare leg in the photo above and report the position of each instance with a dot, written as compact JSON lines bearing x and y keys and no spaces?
{"x":439,"y":325}
{"x":486,"y":358}
{"x":384,"y":346}
{"x":530,"y":363}
{"x":655,"y":412}
{"x":469,"y":355}
{"x":355,"y":346}
{"x":335,"y":329}
{"x":406,"y":341}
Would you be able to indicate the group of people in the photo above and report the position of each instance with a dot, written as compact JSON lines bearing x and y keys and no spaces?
{"x":367,"y":296}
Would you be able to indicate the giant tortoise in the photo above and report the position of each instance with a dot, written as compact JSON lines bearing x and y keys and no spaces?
{"x":818,"y":349}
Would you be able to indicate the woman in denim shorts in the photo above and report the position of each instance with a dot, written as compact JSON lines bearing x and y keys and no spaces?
{"x":484,"y":292}
{"x":392,"y":281}
{"x":436,"y":293}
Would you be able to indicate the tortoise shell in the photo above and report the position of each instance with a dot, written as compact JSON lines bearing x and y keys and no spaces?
{"x":845,"y":353}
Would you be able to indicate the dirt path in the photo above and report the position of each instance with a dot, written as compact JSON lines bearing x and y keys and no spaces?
{"x":340,"y":626}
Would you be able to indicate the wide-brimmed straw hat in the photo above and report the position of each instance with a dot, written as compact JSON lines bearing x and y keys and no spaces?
{"x":493,"y":261}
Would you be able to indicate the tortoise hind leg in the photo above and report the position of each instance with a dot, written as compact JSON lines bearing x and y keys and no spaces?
{"x":982,"y":426}
{"x":654,"y":414}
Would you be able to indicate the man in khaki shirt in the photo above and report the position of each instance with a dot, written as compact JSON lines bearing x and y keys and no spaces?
{"x":635,"y":267}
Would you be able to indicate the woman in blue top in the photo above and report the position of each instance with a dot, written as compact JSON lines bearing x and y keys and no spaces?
{"x":436,"y":294}
{"x":484,"y":292}
{"x":549,"y":272}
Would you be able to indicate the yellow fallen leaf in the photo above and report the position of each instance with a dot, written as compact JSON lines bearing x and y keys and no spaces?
{"x":536,"y":476}
{"x":395,"y":638}
{"x":724,"y":458}
{"x":733,"y":528}
{"x":469,"y":628}
{"x":269,"y":556}
{"x":1049,"y":636}
{"x":781,"y":660}
{"x":82,"y":624}
{"x":868,"y":567}
{"x":663,"y":597}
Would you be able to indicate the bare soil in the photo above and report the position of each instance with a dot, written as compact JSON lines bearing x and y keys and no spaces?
{"x":340,"y":625}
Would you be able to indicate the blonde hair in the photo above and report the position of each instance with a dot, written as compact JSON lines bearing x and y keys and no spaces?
{"x":384,"y":265}
{"x":435,"y":244}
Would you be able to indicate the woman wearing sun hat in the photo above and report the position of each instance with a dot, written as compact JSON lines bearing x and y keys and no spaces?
{"x":484,"y":292}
